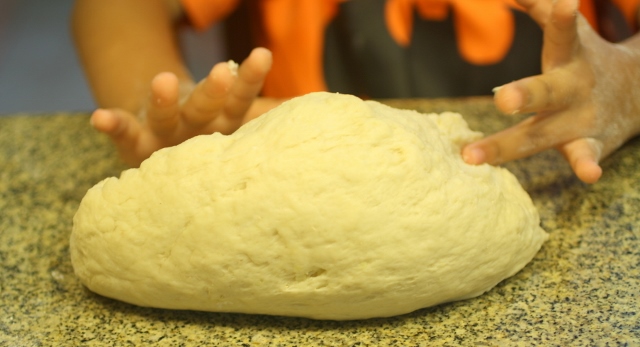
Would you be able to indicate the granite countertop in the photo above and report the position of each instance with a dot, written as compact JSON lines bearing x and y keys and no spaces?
{"x":582,"y":288}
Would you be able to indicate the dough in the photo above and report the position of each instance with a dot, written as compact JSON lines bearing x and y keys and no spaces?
{"x":327,"y":207}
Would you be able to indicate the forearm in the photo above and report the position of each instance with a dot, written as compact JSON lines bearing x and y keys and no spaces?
{"x":122,"y":45}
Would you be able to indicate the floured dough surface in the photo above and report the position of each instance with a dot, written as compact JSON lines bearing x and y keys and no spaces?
{"x":326,"y":207}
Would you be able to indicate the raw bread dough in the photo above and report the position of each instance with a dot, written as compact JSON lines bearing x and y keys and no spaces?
{"x":326,"y":207}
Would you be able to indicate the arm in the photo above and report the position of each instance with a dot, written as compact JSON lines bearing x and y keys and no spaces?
{"x":147,"y":97}
{"x":586,"y":104}
{"x":123,"y":42}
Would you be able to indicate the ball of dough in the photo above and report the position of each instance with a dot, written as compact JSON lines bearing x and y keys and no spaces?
{"x":326,"y":207}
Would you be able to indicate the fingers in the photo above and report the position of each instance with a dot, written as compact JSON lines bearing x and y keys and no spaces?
{"x":133,"y":141}
{"x":531,"y":136}
{"x":218,"y":103}
{"x":560,"y":34}
{"x":208,"y":98}
{"x":558,"y":18}
{"x":509,"y":144}
{"x":583,"y":155}
{"x":535,"y":135}
{"x":162,"y":112}
{"x":119,"y":125}
{"x":122,"y":127}
{"x":561,"y":98}
{"x":251,"y":75}
{"x":555,"y":90}
{"x":225,"y":96}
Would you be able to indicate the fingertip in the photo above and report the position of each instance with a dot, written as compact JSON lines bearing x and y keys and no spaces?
{"x":264,"y":52}
{"x":220,"y":70}
{"x":104,"y":121}
{"x":583,"y":156}
{"x":164,"y":77}
{"x":509,"y":98}
{"x":473,"y":155}
{"x":219,"y":80}
{"x":588,"y":171}
{"x":261,"y":59}
{"x":164,"y":81}
{"x":165,"y":87}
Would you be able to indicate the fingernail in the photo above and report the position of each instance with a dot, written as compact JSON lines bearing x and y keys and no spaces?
{"x":511,"y":100}
{"x":474,"y":156}
{"x":495,"y":89}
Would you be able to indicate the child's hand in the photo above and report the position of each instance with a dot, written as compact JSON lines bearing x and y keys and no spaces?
{"x":586,"y":102}
{"x":219,"y":103}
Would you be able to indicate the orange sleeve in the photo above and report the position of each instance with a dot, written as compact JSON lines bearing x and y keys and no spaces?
{"x":203,"y":13}
{"x":294,"y":31}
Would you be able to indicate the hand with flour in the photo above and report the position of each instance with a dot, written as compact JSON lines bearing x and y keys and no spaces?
{"x":147,"y":98}
{"x":585,"y":104}
{"x":176,"y":111}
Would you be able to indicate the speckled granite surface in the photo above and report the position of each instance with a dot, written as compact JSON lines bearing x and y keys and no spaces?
{"x":582,"y":289}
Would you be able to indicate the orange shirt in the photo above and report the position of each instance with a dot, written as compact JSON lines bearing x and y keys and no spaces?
{"x":294,"y":31}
